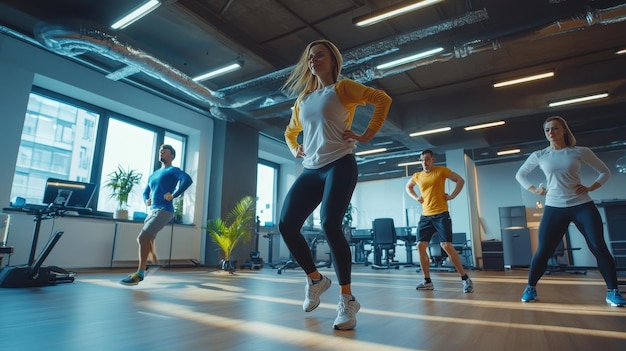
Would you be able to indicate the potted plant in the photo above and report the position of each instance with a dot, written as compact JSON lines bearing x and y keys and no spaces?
{"x":122,"y":182}
{"x":178,"y":209}
{"x":238,"y":226}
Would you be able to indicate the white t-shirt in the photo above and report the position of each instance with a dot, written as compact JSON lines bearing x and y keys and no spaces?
{"x":324,"y":119}
{"x":562,"y":170}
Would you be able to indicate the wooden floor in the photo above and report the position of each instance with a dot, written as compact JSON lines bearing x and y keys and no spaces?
{"x":198,"y":309}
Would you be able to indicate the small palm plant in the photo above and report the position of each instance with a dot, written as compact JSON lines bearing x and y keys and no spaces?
{"x":237,"y":227}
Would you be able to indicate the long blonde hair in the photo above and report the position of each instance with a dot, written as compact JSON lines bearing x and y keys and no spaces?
{"x":570,"y":140}
{"x":301,"y":81}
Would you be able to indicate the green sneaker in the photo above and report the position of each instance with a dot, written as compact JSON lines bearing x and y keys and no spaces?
{"x":132,"y":279}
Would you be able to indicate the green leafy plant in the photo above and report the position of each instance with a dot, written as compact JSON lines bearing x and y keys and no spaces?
{"x":178,"y":209}
{"x":238,"y":226}
{"x":347,"y":216}
{"x":122,"y":182}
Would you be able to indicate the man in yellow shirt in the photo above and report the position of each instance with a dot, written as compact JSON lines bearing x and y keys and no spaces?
{"x":435,"y":217}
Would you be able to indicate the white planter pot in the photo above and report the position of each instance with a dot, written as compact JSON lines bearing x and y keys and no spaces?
{"x":120,"y":214}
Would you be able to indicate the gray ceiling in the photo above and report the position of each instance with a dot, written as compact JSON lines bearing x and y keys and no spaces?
{"x":484,"y":42}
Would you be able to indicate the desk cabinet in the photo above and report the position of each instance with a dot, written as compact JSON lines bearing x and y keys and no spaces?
{"x":493,"y":255}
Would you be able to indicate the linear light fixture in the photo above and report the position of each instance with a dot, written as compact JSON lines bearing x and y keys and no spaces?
{"x":369,"y":152}
{"x":485,"y":125}
{"x":409,"y":163}
{"x":620,"y":52}
{"x":523,"y":79}
{"x":408,"y":59}
{"x":219,"y":71}
{"x":578,"y":99}
{"x":508,"y":152}
{"x":136,"y":14}
{"x":391,"y":11}
{"x":432,"y":131}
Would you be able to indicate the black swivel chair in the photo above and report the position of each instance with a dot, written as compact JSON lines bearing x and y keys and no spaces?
{"x":384,"y":241}
{"x":554,"y":264}
{"x":437,"y":255}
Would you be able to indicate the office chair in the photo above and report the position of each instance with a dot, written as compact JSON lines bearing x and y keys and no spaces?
{"x":554,"y":264}
{"x":255,"y":261}
{"x":437,"y":255}
{"x":384,"y":241}
{"x":459,"y":242}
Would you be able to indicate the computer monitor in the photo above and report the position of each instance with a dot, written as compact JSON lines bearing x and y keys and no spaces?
{"x":67,"y":193}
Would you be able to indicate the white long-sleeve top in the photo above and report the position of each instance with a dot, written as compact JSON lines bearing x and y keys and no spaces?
{"x":562,"y":170}
{"x":323,"y":115}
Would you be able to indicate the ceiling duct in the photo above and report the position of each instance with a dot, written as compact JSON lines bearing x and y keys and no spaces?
{"x":75,"y":39}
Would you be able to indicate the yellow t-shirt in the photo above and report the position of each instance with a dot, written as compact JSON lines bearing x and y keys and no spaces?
{"x":432,"y":188}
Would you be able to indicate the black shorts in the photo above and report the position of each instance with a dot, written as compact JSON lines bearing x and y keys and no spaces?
{"x":440,"y":223}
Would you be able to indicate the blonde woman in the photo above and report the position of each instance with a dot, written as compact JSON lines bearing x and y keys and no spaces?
{"x":567,"y":200}
{"x":323,"y":113}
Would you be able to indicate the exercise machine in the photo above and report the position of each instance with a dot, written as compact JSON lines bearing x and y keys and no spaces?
{"x":62,"y":197}
{"x":34,"y":274}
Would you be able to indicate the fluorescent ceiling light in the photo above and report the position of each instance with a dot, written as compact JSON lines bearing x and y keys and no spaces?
{"x":432,"y":131}
{"x":391,"y":11}
{"x":409,"y":163}
{"x":524,"y":79}
{"x":485,"y":125}
{"x":621,"y":52}
{"x":409,"y":58}
{"x":369,"y":152}
{"x":136,"y":14}
{"x":508,"y":152}
{"x":218,"y":72}
{"x":578,"y":99}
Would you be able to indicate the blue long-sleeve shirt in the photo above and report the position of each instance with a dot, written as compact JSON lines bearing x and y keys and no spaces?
{"x":167,"y":179}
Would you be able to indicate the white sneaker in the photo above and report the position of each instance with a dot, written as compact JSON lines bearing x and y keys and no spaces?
{"x":312,"y":293}
{"x":423,"y":285}
{"x":346,"y":312}
{"x":468,"y":286}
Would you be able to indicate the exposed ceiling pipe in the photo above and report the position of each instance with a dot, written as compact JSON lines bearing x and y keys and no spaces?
{"x":73,"y":40}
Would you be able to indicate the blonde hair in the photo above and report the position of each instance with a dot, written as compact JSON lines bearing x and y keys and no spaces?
{"x":301,"y":81}
{"x":570,"y":140}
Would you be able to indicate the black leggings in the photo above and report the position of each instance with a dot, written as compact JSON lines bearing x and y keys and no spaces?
{"x":554,"y":223}
{"x":332,"y":185}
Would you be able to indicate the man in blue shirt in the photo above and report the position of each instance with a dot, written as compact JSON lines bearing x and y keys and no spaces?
{"x":164,"y":185}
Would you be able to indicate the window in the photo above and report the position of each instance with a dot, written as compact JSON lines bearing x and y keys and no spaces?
{"x":49,"y":146}
{"x":131,"y":147}
{"x":64,"y":138}
{"x":266,"y":192}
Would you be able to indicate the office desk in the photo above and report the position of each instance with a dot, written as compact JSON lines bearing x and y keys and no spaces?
{"x":359,"y":238}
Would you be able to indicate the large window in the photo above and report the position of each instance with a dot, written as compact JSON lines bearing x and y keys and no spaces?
{"x":58,"y":140}
{"x":130,"y":147}
{"x":266,"y":193}
{"x":63,"y":138}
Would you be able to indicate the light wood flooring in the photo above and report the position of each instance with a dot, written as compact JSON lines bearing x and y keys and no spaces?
{"x":202,"y":309}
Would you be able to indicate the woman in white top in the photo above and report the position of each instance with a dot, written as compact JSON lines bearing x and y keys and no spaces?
{"x":567,"y":200}
{"x":323,"y":113}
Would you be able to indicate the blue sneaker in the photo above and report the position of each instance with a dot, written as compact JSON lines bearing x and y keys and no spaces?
{"x":530,"y":294}
{"x":614,"y":298}
{"x":132,"y":279}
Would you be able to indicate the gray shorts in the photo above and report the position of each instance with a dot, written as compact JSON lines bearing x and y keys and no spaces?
{"x":156,"y":220}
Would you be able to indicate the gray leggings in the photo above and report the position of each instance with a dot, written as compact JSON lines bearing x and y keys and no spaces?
{"x":554,"y":223}
{"x":332,"y":186}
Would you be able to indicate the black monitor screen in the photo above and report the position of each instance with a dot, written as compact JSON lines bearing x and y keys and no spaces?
{"x":67,"y":193}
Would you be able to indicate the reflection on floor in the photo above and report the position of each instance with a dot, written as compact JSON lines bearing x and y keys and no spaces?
{"x":203,"y":309}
